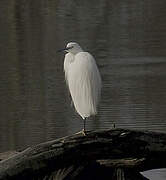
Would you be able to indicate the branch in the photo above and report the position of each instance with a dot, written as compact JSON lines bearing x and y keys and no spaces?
{"x":139,"y":149}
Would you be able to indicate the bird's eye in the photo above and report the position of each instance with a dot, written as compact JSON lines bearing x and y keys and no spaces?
{"x":69,"y":47}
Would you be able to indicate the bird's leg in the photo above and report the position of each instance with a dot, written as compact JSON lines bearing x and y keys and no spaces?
{"x":84,"y":124}
{"x":84,"y":130}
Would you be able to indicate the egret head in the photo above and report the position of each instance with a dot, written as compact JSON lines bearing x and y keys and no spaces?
{"x":73,"y":48}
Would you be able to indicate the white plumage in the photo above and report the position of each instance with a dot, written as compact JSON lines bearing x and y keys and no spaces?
{"x":83,"y":79}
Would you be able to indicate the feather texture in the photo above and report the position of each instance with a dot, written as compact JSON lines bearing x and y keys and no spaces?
{"x":84,"y":81}
{"x":69,"y":58}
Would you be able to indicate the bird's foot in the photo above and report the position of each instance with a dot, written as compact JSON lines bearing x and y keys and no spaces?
{"x":82,"y":132}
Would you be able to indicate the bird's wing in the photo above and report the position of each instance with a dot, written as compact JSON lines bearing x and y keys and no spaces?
{"x":69,"y":58}
{"x":84,"y":84}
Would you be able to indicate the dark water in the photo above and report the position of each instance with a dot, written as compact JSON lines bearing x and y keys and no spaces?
{"x":128,"y":41}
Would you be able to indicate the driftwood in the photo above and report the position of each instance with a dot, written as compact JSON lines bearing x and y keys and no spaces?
{"x":111,"y":154}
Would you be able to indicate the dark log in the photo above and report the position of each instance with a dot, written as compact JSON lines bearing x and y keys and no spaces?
{"x":7,"y":154}
{"x":74,"y":155}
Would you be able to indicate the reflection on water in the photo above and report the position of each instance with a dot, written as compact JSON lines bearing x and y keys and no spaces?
{"x":135,"y":93}
{"x":127,"y":38}
{"x":155,"y":174}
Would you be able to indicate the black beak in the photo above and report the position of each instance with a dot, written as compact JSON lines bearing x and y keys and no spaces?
{"x":64,"y":49}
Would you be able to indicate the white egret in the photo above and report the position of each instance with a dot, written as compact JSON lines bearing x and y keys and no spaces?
{"x":83,"y":79}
